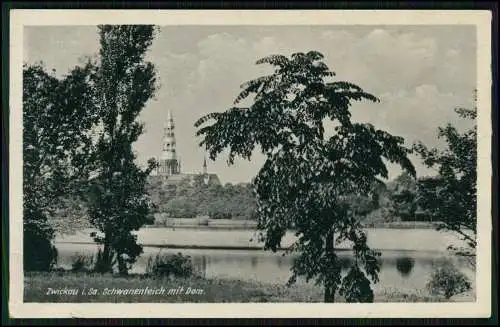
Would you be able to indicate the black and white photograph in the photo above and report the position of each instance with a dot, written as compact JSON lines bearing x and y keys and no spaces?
{"x":323,"y":164}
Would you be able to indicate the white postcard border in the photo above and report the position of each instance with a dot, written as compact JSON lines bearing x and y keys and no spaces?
{"x":481,"y":308}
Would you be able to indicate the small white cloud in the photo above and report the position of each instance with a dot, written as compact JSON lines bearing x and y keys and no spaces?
{"x":426,"y":90}
{"x":452,"y":53}
{"x":417,"y":114}
{"x":218,"y":44}
{"x":341,"y":35}
{"x":378,"y":35}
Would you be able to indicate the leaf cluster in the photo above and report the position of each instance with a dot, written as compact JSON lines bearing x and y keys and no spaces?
{"x":307,"y":177}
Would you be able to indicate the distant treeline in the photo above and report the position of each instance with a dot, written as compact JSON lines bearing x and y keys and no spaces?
{"x":192,"y":198}
{"x":391,"y":202}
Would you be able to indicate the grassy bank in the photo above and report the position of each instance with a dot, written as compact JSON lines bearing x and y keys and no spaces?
{"x":38,"y":285}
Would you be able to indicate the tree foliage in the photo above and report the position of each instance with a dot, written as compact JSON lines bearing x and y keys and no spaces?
{"x":191,"y":198}
{"x":118,"y":201}
{"x":450,"y":197}
{"x":307,"y":178}
{"x":391,"y":202}
{"x":58,"y":115}
{"x":403,"y":197}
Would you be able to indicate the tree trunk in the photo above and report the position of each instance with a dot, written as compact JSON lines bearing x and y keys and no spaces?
{"x":329,"y":294}
{"x":122,"y":265}
{"x":106,"y":262}
{"x":329,"y":289}
{"x":106,"y":265}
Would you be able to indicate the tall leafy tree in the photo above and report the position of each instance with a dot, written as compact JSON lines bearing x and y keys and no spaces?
{"x":450,"y":197}
{"x":58,"y":115}
{"x":308,"y":179}
{"x":119,"y":203}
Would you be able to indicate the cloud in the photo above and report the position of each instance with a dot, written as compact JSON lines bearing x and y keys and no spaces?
{"x":220,"y":70}
{"x":60,"y":47}
{"x":417,"y":114}
{"x":419,"y":73}
{"x":400,"y":68}
{"x":382,"y":60}
{"x":271,"y":45}
{"x":171,"y":73}
{"x":452,"y":53}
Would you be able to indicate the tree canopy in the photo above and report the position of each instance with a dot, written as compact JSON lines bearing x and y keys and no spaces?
{"x":118,"y":199}
{"x":307,"y":178}
{"x":187,"y":199}
{"x":58,"y":115}
{"x":451,"y":196}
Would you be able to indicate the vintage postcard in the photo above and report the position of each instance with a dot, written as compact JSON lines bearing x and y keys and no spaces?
{"x":172,"y":163}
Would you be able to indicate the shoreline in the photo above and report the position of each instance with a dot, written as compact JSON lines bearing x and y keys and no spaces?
{"x":238,"y":248}
{"x":215,"y":224}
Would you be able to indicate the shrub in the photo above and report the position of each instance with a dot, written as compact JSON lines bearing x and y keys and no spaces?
{"x":82,"y":263}
{"x":39,"y":254}
{"x":176,"y":265}
{"x":447,"y":280}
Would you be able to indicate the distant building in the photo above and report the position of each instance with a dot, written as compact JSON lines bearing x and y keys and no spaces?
{"x":169,"y":169}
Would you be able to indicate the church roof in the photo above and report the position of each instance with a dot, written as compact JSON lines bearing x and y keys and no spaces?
{"x":178,"y":178}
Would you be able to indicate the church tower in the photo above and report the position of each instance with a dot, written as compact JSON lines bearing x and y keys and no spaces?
{"x":169,"y":164}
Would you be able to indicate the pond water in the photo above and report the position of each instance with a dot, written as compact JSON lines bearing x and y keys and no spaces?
{"x":406,"y":264}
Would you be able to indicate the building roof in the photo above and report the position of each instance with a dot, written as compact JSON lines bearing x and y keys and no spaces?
{"x":178,"y":178}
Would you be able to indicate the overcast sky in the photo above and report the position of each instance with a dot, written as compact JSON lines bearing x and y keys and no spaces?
{"x":420,"y":73}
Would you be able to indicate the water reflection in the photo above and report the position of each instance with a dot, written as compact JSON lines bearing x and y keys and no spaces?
{"x":395,"y":271}
{"x":399,"y":269}
{"x":279,"y":261}
{"x":405,"y":266}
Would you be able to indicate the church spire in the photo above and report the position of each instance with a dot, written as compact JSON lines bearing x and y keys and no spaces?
{"x":169,"y":164}
{"x":169,"y":138}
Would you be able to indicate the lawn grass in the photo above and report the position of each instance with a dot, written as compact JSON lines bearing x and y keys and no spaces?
{"x":36,"y":286}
